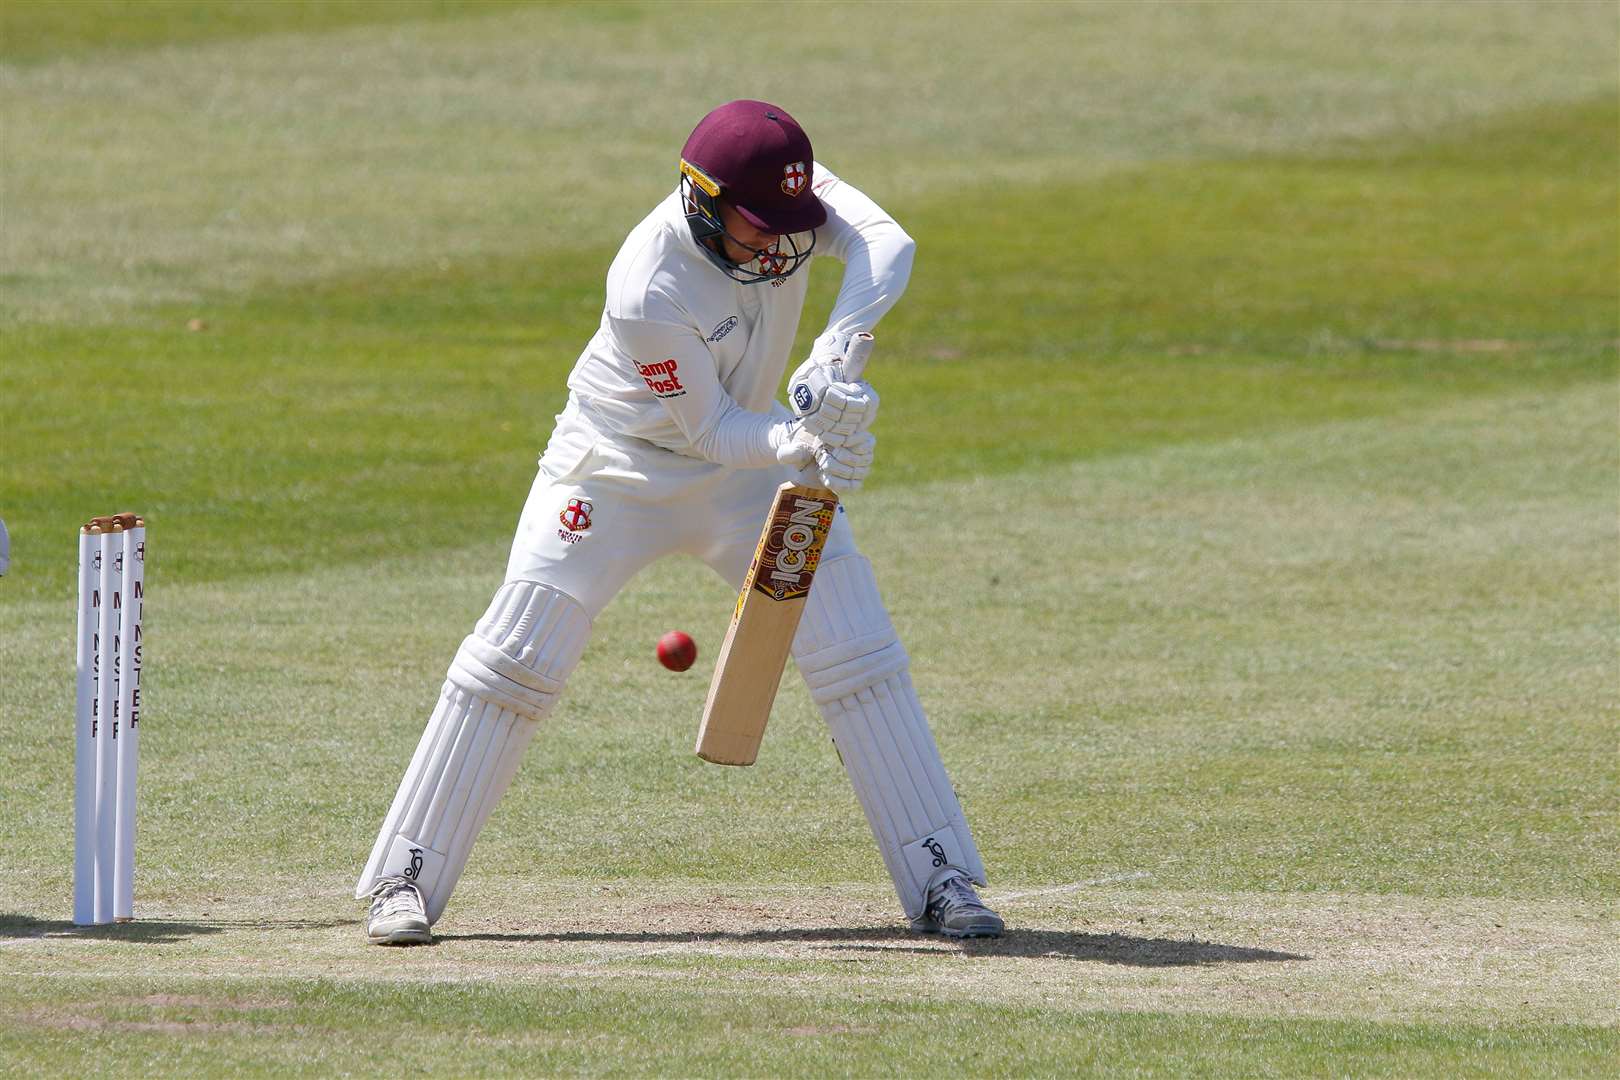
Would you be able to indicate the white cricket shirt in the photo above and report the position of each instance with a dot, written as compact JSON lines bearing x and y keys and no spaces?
{"x":689,"y":360}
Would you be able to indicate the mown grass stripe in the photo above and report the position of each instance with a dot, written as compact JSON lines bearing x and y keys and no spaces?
{"x":332,"y":1025}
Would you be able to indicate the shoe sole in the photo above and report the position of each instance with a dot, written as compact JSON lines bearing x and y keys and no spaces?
{"x":932,"y":927}
{"x":402,"y":937}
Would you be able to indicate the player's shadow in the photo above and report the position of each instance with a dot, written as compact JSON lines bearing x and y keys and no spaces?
{"x":1096,"y":948}
{"x":139,"y":932}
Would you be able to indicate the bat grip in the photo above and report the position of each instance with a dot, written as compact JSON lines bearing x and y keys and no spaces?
{"x":856,"y":354}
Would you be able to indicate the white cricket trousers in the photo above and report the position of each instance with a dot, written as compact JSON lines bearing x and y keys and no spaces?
{"x":595,"y":517}
{"x":597,"y":513}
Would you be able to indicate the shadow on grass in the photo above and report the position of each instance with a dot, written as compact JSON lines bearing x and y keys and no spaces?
{"x":139,"y":932}
{"x":154,"y":931}
{"x":279,"y":925}
{"x":1097,"y":948}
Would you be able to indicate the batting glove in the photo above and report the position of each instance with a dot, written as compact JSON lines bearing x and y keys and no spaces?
{"x":831,"y":409}
{"x":794,"y":446}
{"x":844,"y":467}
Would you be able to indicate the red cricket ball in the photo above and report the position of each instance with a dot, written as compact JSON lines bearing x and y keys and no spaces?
{"x":677,"y":651}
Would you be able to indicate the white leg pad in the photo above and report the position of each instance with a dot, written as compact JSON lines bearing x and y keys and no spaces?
{"x":859,"y":676}
{"x":504,"y":679}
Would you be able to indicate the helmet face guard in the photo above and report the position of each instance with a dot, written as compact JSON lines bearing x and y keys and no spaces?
{"x":700,"y":195}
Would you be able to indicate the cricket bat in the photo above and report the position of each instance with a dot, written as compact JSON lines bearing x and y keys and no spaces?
{"x":754,"y":654}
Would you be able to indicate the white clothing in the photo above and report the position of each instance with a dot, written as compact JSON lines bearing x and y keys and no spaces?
{"x":689,"y":360}
{"x":590,"y":530}
{"x":665,"y":446}
{"x":663,"y":440}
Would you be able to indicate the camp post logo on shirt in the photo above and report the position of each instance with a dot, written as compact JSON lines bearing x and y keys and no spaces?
{"x":662,"y":379}
{"x":726,"y":326}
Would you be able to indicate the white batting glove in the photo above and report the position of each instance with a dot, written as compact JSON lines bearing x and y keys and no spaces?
{"x":843,"y":468}
{"x":831,"y":409}
{"x":794,"y":446}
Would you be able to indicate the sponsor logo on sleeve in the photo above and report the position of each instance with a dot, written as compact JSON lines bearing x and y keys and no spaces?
{"x":725,"y":327}
{"x":662,"y":378}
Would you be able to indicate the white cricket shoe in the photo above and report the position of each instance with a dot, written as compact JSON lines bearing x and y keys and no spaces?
{"x":397,"y":916}
{"x":955,"y":910}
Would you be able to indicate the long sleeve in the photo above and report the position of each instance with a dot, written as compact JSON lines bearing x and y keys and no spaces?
{"x":876,"y":253}
{"x":679,"y":371}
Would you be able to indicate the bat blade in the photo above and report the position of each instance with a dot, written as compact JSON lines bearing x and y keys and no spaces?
{"x":748,"y":671}
{"x":749,"y":668}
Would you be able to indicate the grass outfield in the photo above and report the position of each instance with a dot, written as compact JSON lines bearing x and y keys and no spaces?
{"x":1245,"y":498}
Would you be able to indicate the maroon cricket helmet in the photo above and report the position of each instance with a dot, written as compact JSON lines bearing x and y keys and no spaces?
{"x":760,"y":158}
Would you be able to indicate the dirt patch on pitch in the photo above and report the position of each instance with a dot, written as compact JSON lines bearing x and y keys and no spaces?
{"x":1077,"y":947}
{"x":1114,"y":948}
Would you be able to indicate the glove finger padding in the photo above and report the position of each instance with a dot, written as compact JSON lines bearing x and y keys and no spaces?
{"x":830,"y":408}
{"x":860,"y":450}
{"x":855,"y":405}
{"x":844,"y":411}
{"x":844,"y":468}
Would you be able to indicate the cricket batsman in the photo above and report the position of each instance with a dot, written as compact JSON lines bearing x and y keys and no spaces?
{"x":671,"y":441}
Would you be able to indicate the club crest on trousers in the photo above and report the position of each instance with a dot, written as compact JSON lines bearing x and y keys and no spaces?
{"x":576,"y":521}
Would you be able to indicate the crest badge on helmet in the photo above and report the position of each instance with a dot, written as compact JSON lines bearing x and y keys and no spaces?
{"x":793,"y":178}
{"x":755,"y":159}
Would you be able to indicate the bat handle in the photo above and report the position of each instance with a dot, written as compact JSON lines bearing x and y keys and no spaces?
{"x":854,"y":364}
{"x":856,"y":354}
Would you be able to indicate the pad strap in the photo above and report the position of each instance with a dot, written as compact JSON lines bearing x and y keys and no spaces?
{"x":523,"y":648}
